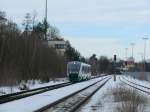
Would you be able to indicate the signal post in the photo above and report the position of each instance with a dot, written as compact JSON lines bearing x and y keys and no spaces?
{"x":115,"y":58}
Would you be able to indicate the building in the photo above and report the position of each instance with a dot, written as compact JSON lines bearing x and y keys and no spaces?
{"x":2,"y":20}
{"x":59,"y":45}
{"x":130,"y":62}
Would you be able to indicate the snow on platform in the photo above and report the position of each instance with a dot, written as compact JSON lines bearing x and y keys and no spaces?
{"x":35,"y":102}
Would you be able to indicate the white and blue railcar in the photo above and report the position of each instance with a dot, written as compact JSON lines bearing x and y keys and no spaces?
{"x":78,"y":71}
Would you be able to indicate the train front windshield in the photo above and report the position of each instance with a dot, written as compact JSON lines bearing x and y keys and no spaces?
{"x":73,"y":68}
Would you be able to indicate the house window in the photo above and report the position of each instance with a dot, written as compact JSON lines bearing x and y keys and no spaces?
{"x":59,"y":46}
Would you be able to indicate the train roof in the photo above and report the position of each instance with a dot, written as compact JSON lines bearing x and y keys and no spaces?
{"x":78,"y":62}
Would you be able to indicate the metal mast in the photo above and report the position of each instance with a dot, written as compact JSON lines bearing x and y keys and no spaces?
{"x":132,"y":44}
{"x":46,"y":10}
{"x":45,"y":20}
{"x":126,"y":54}
{"x":145,"y":39}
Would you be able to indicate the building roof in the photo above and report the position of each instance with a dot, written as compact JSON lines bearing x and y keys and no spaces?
{"x":130,"y":59}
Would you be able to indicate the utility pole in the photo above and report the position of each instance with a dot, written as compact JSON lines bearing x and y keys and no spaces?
{"x":132,"y":45}
{"x":126,"y":59}
{"x":115,"y":59}
{"x":45,"y":20}
{"x":144,"y":63}
{"x":141,"y":55}
{"x":46,"y":10}
{"x":126,"y":53}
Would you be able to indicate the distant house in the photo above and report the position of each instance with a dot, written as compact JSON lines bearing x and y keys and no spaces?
{"x":2,"y":20}
{"x":59,"y":45}
{"x":130,"y":62}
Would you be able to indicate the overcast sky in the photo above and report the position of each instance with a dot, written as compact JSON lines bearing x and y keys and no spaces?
{"x":104,"y":27}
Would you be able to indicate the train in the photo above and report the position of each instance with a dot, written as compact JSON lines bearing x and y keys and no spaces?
{"x":78,"y":71}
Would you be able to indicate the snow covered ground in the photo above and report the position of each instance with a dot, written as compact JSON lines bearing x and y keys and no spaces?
{"x":103,"y":100}
{"x":35,"y":102}
{"x":31,"y":84}
{"x":140,"y":75}
{"x":137,"y":81}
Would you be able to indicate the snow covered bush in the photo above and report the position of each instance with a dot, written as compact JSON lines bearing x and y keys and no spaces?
{"x":130,"y":100}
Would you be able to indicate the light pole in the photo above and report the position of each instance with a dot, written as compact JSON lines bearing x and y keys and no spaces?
{"x":142,"y":64}
{"x":145,"y":39}
{"x":132,"y":45}
{"x":46,"y":10}
{"x":141,"y":56}
{"x":126,"y":58}
{"x":45,"y":20}
{"x":126,"y":53}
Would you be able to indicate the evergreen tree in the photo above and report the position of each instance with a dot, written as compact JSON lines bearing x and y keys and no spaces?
{"x":72,"y":54}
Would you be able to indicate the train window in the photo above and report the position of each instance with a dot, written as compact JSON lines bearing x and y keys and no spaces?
{"x":73,"y":68}
{"x":85,"y":69}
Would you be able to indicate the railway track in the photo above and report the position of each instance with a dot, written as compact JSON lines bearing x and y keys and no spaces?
{"x":73,"y":101}
{"x":19,"y":95}
{"x":136,"y":83}
{"x":134,"y":86}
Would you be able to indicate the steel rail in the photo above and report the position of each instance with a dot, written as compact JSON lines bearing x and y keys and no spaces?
{"x":136,"y":83}
{"x":69,"y":96}
{"x":134,"y":86}
{"x":19,"y":95}
{"x":78,"y":105}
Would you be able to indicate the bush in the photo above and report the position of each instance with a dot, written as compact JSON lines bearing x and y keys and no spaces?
{"x":130,"y":100}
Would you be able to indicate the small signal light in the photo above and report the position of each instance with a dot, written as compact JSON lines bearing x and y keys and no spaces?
{"x":115,"y":57}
